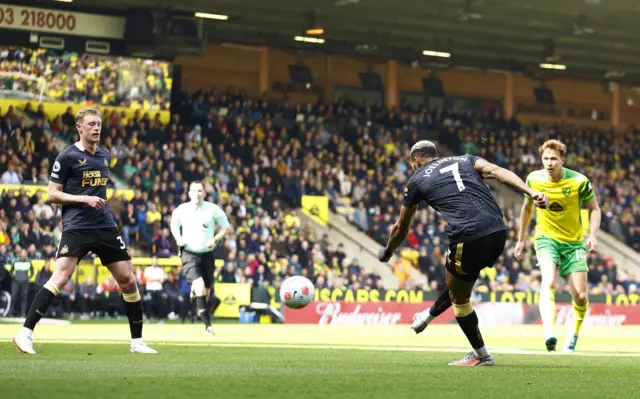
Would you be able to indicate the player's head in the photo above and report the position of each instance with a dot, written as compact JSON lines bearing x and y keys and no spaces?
{"x":196,"y":192}
{"x":89,"y":124}
{"x":421,"y":153}
{"x":552,"y":154}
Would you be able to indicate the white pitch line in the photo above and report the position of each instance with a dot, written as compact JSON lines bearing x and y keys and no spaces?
{"x":507,"y":351}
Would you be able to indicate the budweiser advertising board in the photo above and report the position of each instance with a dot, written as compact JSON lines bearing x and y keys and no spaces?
{"x":393,"y":313}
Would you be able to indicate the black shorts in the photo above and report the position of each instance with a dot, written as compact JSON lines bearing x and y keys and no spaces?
{"x":106,"y":243}
{"x":465,"y":260}
{"x":196,"y":265}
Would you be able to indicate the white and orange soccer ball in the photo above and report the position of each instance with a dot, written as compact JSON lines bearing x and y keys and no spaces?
{"x":297,"y":292}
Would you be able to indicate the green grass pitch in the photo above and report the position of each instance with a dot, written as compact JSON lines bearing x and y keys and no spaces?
{"x":91,"y":360}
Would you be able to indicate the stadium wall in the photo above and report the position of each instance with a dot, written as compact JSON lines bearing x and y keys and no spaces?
{"x":255,"y":69}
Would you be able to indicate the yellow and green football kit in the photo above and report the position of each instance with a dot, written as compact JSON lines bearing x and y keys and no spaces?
{"x":558,"y":232}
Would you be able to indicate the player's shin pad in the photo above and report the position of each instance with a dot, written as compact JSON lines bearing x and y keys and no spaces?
{"x":462,"y":310}
{"x":51,"y":287}
{"x":134,"y":297}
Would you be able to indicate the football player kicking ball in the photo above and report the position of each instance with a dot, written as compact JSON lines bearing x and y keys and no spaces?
{"x":558,"y":237}
{"x":453,"y":186}
{"x":79,"y":182}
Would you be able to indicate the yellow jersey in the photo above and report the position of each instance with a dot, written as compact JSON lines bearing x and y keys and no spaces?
{"x":561,"y":220}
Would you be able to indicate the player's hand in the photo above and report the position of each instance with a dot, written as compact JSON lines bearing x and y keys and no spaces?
{"x":592,"y":244}
{"x":211,"y":243}
{"x":541,"y":200}
{"x":95,"y":202}
{"x":384,"y":255}
{"x":519,"y":251}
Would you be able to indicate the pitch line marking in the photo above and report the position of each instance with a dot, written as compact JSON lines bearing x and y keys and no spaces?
{"x":507,"y":351}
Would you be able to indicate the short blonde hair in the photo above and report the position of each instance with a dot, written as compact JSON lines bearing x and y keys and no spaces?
{"x":555,"y":145}
{"x":87,"y":112}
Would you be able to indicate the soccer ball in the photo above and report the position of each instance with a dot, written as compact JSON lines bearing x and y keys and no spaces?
{"x":296,"y":292}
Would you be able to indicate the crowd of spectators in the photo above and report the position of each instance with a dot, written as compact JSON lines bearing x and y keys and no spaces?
{"x":258,"y":159}
{"x":72,"y":77}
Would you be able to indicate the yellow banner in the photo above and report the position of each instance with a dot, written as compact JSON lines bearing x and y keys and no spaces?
{"x":31,"y":189}
{"x":232,"y":296}
{"x":316,"y":207}
{"x":53,"y":109}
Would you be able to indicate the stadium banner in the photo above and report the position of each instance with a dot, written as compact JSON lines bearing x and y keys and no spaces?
{"x":401,"y":295}
{"x":316,"y":207}
{"x":54,"y":108}
{"x":35,"y":19}
{"x":31,"y":189}
{"x":489,"y":314}
{"x":232,"y":295}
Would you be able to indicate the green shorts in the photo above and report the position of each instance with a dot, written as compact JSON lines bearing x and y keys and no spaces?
{"x":568,"y":256}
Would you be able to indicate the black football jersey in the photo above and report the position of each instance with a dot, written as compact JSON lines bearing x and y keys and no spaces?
{"x":82,"y":173}
{"x":454,"y":188}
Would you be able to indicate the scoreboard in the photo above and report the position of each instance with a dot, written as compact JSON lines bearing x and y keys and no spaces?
{"x":61,"y":22}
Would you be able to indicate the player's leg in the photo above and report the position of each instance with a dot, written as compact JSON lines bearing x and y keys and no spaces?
{"x":62,"y":272}
{"x":421,"y":320}
{"x":73,"y":246}
{"x":548,"y":258}
{"x":574,"y":266}
{"x":110,"y":247}
{"x":124,"y":275}
{"x":468,"y":321}
{"x":193,"y":272}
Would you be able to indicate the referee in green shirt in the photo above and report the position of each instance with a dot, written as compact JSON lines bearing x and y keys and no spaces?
{"x":193,"y":226}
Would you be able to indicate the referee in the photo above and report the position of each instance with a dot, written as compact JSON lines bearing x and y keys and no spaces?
{"x":198,"y":219}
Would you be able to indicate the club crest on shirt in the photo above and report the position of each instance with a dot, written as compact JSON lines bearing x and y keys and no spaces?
{"x":106,"y":163}
{"x":566,"y":191}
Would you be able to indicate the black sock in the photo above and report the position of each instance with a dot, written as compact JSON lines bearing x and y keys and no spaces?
{"x":469,"y":325}
{"x":213,"y":304}
{"x":202,"y":310}
{"x":441,"y":304}
{"x":39,"y":307}
{"x":134,"y":313}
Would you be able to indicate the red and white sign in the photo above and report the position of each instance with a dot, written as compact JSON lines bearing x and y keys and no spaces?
{"x":350,"y":313}
{"x":599,"y":314}
{"x":489,"y":314}
{"x":61,"y":22}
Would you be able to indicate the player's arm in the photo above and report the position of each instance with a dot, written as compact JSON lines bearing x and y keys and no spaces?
{"x":489,"y":170}
{"x":595,"y":215}
{"x":176,"y":223}
{"x":220,"y":219}
{"x":400,"y":229}
{"x":59,"y":175}
{"x":526,"y":213}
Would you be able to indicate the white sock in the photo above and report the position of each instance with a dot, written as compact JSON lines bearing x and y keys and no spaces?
{"x":482,"y":352}
{"x":425,"y":315}
{"x":26,"y":331}
{"x":136,"y":341}
{"x":547,"y":306}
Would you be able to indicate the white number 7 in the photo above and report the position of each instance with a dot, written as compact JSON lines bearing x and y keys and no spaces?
{"x":121,"y":242}
{"x":453,"y":168}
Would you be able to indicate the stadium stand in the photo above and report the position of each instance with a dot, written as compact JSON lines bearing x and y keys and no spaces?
{"x":258,"y":159}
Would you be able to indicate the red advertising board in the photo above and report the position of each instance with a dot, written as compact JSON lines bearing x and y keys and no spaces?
{"x":393,"y":313}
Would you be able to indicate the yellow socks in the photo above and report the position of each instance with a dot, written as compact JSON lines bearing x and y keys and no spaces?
{"x":579,"y":312}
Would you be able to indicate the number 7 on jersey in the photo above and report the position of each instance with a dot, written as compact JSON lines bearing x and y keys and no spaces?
{"x":453,"y":168}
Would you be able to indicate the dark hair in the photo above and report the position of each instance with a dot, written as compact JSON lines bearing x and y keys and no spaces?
{"x":424,"y":148}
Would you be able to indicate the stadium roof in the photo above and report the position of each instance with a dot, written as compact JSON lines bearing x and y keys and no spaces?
{"x":593,"y":38}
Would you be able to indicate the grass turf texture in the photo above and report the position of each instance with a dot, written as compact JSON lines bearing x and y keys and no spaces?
{"x":285,"y":361}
